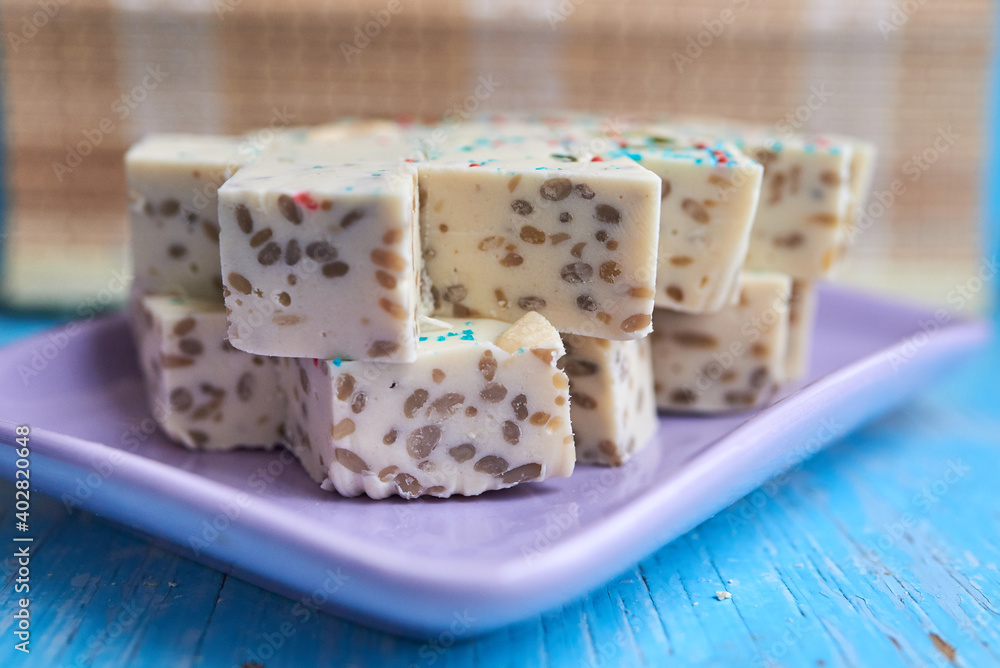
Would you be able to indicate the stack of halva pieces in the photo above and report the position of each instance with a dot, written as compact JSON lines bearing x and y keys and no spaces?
{"x":441,"y":309}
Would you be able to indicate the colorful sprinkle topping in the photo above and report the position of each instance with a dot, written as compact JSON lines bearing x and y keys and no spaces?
{"x":305,"y":200}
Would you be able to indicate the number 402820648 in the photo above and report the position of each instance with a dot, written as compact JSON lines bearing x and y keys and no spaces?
{"x":22,"y":473}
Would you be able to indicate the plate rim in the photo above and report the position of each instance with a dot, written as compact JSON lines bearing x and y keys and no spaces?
{"x":450,"y":577}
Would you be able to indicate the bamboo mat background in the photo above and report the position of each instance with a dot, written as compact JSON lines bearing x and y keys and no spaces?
{"x":895,"y":72}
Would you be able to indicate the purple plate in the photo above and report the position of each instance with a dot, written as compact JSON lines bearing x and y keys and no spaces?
{"x":412,"y":567}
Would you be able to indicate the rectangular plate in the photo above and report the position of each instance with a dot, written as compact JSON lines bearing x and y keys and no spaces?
{"x":412,"y":566}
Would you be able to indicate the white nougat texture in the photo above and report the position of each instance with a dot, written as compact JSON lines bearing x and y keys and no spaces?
{"x":483,"y":407}
{"x":708,"y":199}
{"x":515,"y":223}
{"x":803,"y":211}
{"x":801,"y":324}
{"x":322,"y":259}
{"x":173,"y":180}
{"x":810,"y":186}
{"x":204,"y":393}
{"x":727,"y":361}
{"x":613,"y":407}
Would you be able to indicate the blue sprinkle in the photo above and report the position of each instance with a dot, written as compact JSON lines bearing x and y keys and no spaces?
{"x":336,"y":362}
{"x":520,"y":350}
{"x":469,"y":323}
{"x":452,"y":333}
{"x":809,"y":148}
{"x":440,"y":338}
{"x":423,"y":338}
{"x":467,"y":335}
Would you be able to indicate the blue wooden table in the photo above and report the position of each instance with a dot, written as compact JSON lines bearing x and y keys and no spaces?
{"x":883,"y":550}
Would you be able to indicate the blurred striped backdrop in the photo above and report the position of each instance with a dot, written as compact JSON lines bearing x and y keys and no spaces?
{"x":91,"y":76}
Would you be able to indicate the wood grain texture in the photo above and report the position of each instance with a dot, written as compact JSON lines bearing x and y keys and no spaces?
{"x":882,"y":550}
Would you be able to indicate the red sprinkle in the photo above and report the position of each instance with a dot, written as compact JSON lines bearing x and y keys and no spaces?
{"x":474,"y":164}
{"x":597,"y":158}
{"x":700,"y":145}
{"x":315,"y":362}
{"x":305,"y":200}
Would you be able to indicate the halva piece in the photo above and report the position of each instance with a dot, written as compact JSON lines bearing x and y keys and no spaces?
{"x":709,"y":196}
{"x":483,"y":407}
{"x":173,"y":210}
{"x":520,"y":223}
{"x":801,"y":323}
{"x":613,"y":408}
{"x":204,"y":393}
{"x":727,"y":361}
{"x":321,"y":258}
